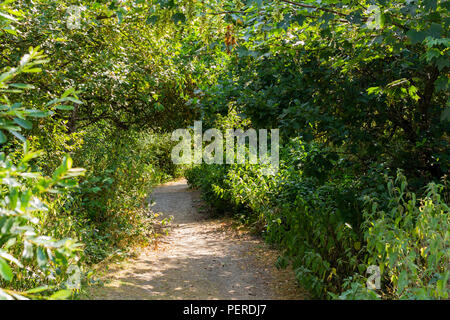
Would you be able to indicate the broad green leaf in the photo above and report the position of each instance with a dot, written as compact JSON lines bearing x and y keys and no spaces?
{"x":64,"y":107}
{"x":9,"y":257}
{"x":61,"y":295}
{"x":38,"y":289}
{"x":7,"y":16}
{"x":416,"y":36}
{"x":32,"y":70}
{"x":38,"y":113}
{"x":27,"y":250}
{"x":23,"y":123}
{"x":5,"y":270}
{"x":2,"y":137}
{"x":22,"y":86}
{"x":119,"y":16}
{"x":41,"y":257}
{"x":17,"y":135}
{"x":68,"y":92}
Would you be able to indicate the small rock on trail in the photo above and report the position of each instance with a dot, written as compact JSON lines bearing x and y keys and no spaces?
{"x":201,"y":258}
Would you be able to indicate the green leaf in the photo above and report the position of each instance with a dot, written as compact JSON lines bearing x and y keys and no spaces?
{"x":68,"y":92}
{"x":2,"y":137}
{"x":10,"y":258}
{"x":402,"y":281}
{"x":38,"y":113}
{"x":27,"y":250}
{"x":374,"y":90}
{"x":18,"y":296}
{"x":75,"y":100}
{"x":380,"y":20}
{"x":61,"y":295}
{"x":38,"y":289}
{"x":22,"y":86}
{"x":442,"y":62}
{"x":430,"y":5}
{"x":7,"y":16}
{"x":442,"y":83}
{"x":41,"y":257}
{"x":17,"y":135}
{"x":64,"y":107}
{"x":23,"y":123}
{"x":32,"y":70}
{"x":5,"y":270}
{"x":416,"y":36}
{"x":119,"y":16}
{"x":167,"y":4}
{"x":432,"y":53}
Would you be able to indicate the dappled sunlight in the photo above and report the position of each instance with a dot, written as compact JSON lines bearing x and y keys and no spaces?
{"x":198,"y":260}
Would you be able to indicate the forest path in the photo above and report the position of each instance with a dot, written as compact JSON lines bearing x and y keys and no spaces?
{"x":201,"y":258}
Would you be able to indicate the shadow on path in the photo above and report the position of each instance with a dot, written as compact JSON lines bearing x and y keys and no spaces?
{"x":200,"y":259}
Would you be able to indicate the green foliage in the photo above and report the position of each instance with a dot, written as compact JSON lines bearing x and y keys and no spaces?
{"x":135,"y":62}
{"x":358,"y":90}
{"x":111,"y":87}
{"x":331,"y":249}
{"x":316,"y":209}
{"x":37,"y":260}
{"x":410,"y":241}
{"x":28,"y":258}
{"x":113,"y":198}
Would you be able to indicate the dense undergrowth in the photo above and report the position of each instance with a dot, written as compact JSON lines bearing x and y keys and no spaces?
{"x":362,"y":107}
{"x":332,"y":232}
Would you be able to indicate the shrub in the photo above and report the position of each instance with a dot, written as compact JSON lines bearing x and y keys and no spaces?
{"x":327,"y":232}
{"x":409,"y":242}
{"x":29,"y":258}
{"x":122,"y":168}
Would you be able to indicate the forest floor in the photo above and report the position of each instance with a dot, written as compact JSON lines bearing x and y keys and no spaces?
{"x":202,"y":257}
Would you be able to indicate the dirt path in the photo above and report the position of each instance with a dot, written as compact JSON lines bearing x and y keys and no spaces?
{"x":202,"y":258}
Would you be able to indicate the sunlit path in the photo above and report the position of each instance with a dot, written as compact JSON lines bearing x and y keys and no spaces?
{"x":200,"y":259}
